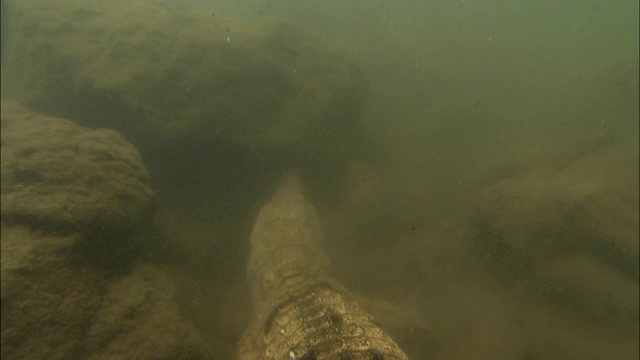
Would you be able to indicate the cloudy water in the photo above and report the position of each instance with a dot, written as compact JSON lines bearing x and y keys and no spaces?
{"x":473,"y":165}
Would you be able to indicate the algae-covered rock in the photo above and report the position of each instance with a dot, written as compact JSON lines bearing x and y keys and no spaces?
{"x":570,"y":234}
{"x":165,"y":77}
{"x":140,"y":319}
{"x":62,"y":177}
{"x":55,"y":305}
{"x":589,"y":207}
{"x":47,"y":304}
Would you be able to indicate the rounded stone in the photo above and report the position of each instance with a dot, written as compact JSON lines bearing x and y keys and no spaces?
{"x":59,"y":176}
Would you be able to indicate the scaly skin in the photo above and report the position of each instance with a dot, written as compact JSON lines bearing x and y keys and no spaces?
{"x":300,"y":312}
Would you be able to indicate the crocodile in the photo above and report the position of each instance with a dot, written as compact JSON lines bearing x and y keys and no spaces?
{"x":300,"y":312}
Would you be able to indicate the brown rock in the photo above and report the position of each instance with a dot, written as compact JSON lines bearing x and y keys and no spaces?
{"x":55,"y":307}
{"x":177,"y":79}
{"x":47,"y":304}
{"x":140,"y":319}
{"x":589,"y":207}
{"x":571,"y":235}
{"x":59,"y":176}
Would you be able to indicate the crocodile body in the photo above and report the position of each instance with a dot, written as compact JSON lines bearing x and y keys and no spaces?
{"x":300,"y":312}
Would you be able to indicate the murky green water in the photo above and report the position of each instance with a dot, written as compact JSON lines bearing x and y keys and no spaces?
{"x":493,"y":204}
{"x":465,"y":94}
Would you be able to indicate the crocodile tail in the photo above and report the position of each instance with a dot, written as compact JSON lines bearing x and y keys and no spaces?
{"x":301,"y":312}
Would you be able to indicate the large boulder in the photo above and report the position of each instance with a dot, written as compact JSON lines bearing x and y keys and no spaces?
{"x":140,"y":319}
{"x":589,"y":207}
{"x":59,"y":176}
{"x":570,"y":233}
{"x":57,"y":305}
{"x":47,"y":304}
{"x":75,"y":204}
{"x":179,"y":82}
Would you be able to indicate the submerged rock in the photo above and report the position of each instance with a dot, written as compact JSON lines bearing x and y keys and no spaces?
{"x":140,"y":319}
{"x":571,"y":233}
{"x":56,"y":306}
{"x":72,"y":201}
{"x":47,"y":304}
{"x":181,"y":83}
{"x":59,"y":176}
{"x":589,"y":207}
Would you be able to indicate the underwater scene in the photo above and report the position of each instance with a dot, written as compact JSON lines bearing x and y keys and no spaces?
{"x":307,"y":180}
